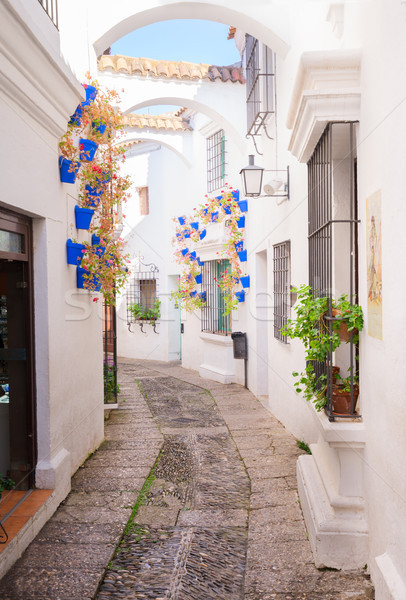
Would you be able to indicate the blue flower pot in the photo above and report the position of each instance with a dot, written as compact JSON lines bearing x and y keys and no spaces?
{"x":227,"y":209}
{"x":243,"y":204}
{"x":68,"y":175}
{"x":203,"y":234}
{"x":214,"y":216}
{"x":242,"y":255}
{"x":93,"y":196}
{"x":76,"y":118}
{"x":198,"y":279}
{"x":195,"y":225}
{"x":203,"y":296}
{"x":83,"y":216}
{"x":88,"y":151}
{"x":239,"y":246}
{"x":205,"y":211}
{"x":99,"y":127}
{"x":91,"y":93}
{"x":245,"y":281}
{"x":80,"y":279}
{"x":236,"y":195}
{"x":96,"y":242}
{"x":74,"y":252}
{"x":192,"y":294}
{"x":241,"y":222}
{"x":186,"y":234}
{"x":199,"y":262}
{"x":185,"y":251}
{"x":240,"y":296}
{"x":181,"y":220}
{"x":236,"y":280}
{"x":193,"y":256}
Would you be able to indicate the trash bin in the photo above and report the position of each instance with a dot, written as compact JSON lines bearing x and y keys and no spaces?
{"x":240,"y":344}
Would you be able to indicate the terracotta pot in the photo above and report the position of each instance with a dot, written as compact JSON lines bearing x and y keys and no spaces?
{"x":343,"y":332}
{"x":342,"y":399}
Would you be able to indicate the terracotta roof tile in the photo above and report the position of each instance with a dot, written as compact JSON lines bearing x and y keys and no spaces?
{"x":231,"y":33}
{"x":170,"y":69}
{"x":167,"y":121}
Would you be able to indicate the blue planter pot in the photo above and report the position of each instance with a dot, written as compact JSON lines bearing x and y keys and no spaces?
{"x":203,"y":234}
{"x":243,"y":204}
{"x":99,"y":127}
{"x":236,"y":195}
{"x":198,"y":279}
{"x":195,"y":225}
{"x":245,"y":281}
{"x":74,"y":252}
{"x":241,"y":223}
{"x":68,"y":175}
{"x":214,"y":216}
{"x":93,"y":196}
{"x":83,"y":217}
{"x":199,"y":262}
{"x":186,"y":234}
{"x":236,"y":280}
{"x":193,"y":256}
{"x":96,"y":242}
{"x":239,"y":246}
{"x":242,"y":255}
{"x":240,"y":296}
{"x":80,"y":279}
{"x":185,"y":251}
{"x":203,"y":296}
{"x":76,"y":118}
{"x":227,"y":209}
{"x":88,"y":150}
{"x":205,"y":211}
{"x":91,"y":93}
{"x":181,"y":220}
{"x":192,"y":294}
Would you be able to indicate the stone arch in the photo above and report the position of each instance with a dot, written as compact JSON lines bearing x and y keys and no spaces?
{"x":157,"y":138}
{"x":108,"y":26}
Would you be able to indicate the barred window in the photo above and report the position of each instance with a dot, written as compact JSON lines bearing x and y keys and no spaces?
{"x":281,"y":288}
{"x":260,"y":88}
{"x":213,"y":318}
{"x":216,"y":161}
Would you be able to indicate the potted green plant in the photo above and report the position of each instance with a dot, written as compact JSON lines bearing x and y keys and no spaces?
{"x":6,"y":483}
{"x":142,"y":313}
{"x":311,"y":326}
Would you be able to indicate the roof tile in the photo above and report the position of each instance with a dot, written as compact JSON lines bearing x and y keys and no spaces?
{"x":168,"y":121}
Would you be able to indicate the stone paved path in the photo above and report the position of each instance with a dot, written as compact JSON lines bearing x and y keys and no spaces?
{"x":218,"y":517}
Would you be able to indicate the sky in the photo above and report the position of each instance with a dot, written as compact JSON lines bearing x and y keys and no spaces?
{"x":189,"y":40}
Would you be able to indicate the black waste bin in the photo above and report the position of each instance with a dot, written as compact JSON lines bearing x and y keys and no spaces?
{"x":240,"y":344}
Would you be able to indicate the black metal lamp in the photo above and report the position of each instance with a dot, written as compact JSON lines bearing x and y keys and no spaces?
{"x":252,"y":178}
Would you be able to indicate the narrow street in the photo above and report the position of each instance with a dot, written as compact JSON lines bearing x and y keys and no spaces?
{"x":201,"y":480}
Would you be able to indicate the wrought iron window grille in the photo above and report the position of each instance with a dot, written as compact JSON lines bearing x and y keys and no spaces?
{"x":281,"y":288}
{"x":51,"y":8}
{"x":216,"y":161}
{"x":213,"y":318}
{"x":260,"y":86}
{"x":333,"y":242}
{"x":142,"y":293}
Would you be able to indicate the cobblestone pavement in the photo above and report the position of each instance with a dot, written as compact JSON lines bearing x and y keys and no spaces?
{"x":217,"y":517}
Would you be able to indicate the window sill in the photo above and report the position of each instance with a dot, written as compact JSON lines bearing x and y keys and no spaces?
{"x":217,"y":338}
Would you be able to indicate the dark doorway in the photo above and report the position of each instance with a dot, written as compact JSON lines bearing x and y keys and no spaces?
{"x":17,"y":439}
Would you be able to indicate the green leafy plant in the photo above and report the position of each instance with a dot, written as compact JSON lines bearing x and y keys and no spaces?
{"x":109,"y":382}
{"x":311,"y":326}
{"x":142,"y":313}
{"x":6,"y":483}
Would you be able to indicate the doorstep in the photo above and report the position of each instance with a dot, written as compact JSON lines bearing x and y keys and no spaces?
{"x":22,"y":515}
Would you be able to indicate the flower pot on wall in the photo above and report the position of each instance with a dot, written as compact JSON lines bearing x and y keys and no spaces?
{"x":236,"y":195}
{"x":193,"y":256}
{"x":245,"y":281}
{"x":342,"y":399}
{"x":243,"y":204}
{"x":81,"y":278}
{"x":99,"y":127}
{"x":74,"y":252}
{"x":96,"y":242}
{"x":227,"y":209}
{"x":91,"y":93}
{"x":241,"y":222}
{"x":68,"y":170}
{"x":87,"y":150}
{"x":76,"y":118}
{"x":239,"y":246}
{"x":343,"y":332}
{"x":83,"y":217}
{"x":198,"y":279}
{"x":240,"y":296}
{"x":203,"y":234}
{"x":242,"y":255}
{"x":203,"y":296}
{"x":185,"y":251}
{"x":93,"y":196}
{"x":181,"y":220}
{"x":214,"y":216}
{"x":195,"y":225}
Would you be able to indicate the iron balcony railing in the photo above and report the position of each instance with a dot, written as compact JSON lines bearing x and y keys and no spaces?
{"x":51,"y":8}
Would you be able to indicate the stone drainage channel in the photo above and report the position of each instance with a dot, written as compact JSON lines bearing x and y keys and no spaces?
{"x":201,"y":480}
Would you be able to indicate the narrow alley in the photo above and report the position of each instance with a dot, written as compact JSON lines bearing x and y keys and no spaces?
{"x":191,"y":496}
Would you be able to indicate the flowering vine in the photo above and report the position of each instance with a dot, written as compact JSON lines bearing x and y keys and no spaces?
{"x":191,"y":230}
{"x":98,"y":123}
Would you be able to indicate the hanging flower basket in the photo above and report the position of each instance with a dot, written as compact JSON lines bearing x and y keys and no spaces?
{"x":87,"y":149}
{"x":93,"y":196}
{"x":68,"y":170}
{"x":240,"y":296}
{"x":74,"y":252}
{"x":198,"y":278}
{"x":245,"y":281}
{"x":242,"y":255}
{"x":83,"y":217}
{"x":81,"y":278}
{"x":243,"y":204}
